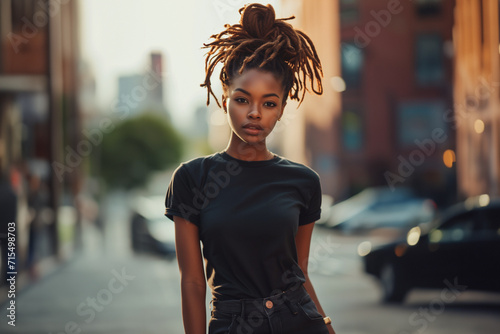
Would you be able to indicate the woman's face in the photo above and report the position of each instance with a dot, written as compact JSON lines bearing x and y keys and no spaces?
{"x":254,"y":103}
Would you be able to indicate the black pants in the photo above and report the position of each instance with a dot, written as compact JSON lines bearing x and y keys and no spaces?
{"x":290,"y":312}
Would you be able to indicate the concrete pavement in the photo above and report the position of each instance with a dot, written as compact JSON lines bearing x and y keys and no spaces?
{"x":104,"y":289}
{"x":99,"y":292}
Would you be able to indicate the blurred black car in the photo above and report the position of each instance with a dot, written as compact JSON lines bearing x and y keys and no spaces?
{"x":151,"y":231}
{"x":461,"y":247}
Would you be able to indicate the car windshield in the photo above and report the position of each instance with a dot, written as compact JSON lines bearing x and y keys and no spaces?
{"x":476,"y":223}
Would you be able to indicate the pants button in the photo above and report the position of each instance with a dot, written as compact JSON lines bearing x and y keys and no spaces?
{"x":269,"y":304}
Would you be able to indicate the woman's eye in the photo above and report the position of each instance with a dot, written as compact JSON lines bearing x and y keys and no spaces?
{"x":240,"y":100}
{"x":270,"y":104}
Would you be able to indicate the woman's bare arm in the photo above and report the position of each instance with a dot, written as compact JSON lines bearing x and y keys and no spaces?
{"x":303,"y":242}
{"x":193,"y":283}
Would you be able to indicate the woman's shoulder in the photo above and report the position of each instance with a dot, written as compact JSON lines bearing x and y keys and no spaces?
{"x":197,"y":164}
{"x":299,"y":168}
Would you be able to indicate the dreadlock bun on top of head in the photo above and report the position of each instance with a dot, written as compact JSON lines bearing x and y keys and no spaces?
{"x":263,"y":42}
{"x":257,"y":20}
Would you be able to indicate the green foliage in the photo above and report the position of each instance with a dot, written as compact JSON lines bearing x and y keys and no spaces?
{"x":137,"y":147}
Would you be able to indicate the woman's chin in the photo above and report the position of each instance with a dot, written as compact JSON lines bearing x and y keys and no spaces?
{"x":252,"y":139}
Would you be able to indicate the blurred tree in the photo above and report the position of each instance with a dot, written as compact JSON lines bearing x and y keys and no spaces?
{"x":137,"y":147}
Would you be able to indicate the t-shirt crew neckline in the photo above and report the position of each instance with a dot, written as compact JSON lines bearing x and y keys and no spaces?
{"x":245,"y":163}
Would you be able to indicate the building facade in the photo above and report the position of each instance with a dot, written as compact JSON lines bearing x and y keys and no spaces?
{"x":143,"y":92}
{"x":309,"y":133}
{"x":383,"y":118}
{"x":40,"y":148}
{"x":477,"y":97}
{"x":397,"y":66}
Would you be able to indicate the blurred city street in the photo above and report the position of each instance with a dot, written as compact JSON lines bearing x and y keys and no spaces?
{"x":100,"y":102}
{"x":108,"y":289}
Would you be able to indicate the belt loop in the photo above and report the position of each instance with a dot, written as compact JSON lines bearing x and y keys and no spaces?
{"x":242,"y":308}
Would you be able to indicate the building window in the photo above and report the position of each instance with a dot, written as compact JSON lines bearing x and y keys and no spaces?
{"x":22,"y":11}
{"x":422,"y":124}
{"x":349,"y":12}
{"x":352,"y":129}
{"x":429,"y":58}
{"x":352,"y":64}
{"x":427,"y":8}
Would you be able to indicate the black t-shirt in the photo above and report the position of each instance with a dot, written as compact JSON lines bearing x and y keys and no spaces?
{"x":247,"y":213}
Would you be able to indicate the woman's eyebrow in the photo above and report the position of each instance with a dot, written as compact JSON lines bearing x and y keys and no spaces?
{"x":247,"y":93}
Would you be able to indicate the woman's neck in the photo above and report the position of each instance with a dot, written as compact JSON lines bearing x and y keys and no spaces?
{"x":249,"y":152}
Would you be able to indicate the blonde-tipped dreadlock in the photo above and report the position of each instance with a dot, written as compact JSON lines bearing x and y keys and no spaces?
{"x":264,"y":42}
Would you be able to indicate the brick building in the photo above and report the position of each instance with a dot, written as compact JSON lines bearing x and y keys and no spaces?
{"x":388,"y":89}
{"x":39,"y":123}
{"x":397,"y":67}
{"x":477,"y":97}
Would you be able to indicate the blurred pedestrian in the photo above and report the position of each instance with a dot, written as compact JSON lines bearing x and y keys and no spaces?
{"x":8,"y":215}
{"x":35,"y":202}
{"x":254,"y":211}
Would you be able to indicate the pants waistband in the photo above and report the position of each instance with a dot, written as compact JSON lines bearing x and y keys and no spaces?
{"x":289,"y":298}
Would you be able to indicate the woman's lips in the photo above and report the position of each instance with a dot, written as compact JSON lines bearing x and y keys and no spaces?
{"x":252,"y":129}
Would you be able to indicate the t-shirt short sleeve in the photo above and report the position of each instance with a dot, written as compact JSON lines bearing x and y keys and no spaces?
{"x":312,"y":212}
{"x":179,"y":198}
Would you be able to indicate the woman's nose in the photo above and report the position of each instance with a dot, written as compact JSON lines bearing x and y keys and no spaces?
{"x":254,"y":113}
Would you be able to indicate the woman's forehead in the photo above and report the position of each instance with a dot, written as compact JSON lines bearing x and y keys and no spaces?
{"x":257,"y":79}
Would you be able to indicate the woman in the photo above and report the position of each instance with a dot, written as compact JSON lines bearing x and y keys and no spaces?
{"x":253,"y":210}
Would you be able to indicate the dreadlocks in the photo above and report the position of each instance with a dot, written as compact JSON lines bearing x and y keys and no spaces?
{"x":261,"y":41}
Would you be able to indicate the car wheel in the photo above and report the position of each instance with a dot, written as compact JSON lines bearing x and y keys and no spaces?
{"x":393,"y":288}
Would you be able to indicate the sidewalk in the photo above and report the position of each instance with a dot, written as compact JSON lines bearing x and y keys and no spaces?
{"x":106,"y":289}
{"x":101,"y":295}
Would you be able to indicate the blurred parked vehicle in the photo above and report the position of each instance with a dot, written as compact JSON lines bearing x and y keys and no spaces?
{"x":382,"y":207}
{"x":151,"y":231}
{"x":460,"y":247}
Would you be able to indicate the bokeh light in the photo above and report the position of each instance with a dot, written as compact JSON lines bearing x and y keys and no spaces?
{"x":449,"y":158}
{"x":479,"y":126}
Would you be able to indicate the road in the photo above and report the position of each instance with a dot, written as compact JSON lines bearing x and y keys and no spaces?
{"x":108,"y":289}
{"x":352,"y":299}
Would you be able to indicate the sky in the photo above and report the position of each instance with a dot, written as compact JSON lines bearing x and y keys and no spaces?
{"x":118,"y":35}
